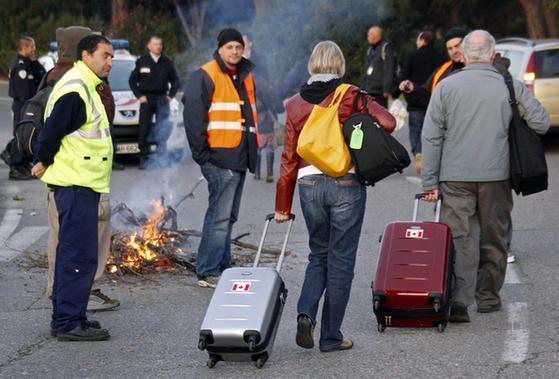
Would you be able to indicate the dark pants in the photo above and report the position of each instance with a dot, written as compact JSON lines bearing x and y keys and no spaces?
{"x":416,"y":125}
{"x":225,"y":189}
{"x":478,"y":213}
{"x":16,"y":109}
{"x":333,"y":209}
{"x":158,"y":106}
{"x":17,"y":161}
{"x":76,"y":255}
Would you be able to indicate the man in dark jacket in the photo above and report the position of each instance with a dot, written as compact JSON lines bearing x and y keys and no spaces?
{"x":419,"y":95}
{"x":220,"y":121}
{"x":25,"y":76}
{"x":380,"y":68}
{"x":154,"y":82}
{"x":418,"y":67}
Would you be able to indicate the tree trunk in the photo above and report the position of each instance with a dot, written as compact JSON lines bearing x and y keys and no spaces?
{"x":119,"y":14}
{"x":551,"y":13}
{"x":193,"y":25}
{"x":535,"y":18}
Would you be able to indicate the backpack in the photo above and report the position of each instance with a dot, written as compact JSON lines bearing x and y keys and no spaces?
{"x":375,"y":153}
{"x":32,"y":112}
{"x":321,"y":142}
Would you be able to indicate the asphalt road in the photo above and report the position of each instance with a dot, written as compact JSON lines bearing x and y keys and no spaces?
{"x":155,"y":331}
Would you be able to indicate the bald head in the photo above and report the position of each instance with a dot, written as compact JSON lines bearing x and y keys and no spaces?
{"x":374,"y":35}
{"x":479,"y":47}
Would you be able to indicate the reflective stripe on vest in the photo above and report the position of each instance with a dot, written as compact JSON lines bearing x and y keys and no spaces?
{"x":225,"y":120}
{"x":440,"y":73}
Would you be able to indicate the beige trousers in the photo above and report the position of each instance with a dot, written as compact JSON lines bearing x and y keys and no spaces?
{"x":104,"y":236}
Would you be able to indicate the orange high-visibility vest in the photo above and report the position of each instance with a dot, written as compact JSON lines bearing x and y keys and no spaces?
{"x":440,"y":73}
{"x":225,"y":119}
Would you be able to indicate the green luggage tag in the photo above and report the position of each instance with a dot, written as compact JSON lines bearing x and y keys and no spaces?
{"x":356,"y":141}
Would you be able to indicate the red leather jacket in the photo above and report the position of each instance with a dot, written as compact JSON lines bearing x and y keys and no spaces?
{"x":298,"y":110}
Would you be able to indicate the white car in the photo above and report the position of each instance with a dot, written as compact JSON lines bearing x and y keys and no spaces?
{"x":127,"y":110}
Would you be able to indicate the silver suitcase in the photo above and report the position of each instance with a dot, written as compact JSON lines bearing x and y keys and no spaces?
{"x":244,"y":313}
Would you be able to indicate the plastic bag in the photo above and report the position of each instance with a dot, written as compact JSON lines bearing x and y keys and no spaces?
{"x":400,"y":113}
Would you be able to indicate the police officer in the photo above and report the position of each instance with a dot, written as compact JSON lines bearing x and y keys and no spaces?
{"x":74,"y":158}
{"x":25,"y":75}
{"x":154,"y":82}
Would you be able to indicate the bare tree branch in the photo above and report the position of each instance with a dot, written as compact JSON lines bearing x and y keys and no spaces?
{"x":193,"y":25}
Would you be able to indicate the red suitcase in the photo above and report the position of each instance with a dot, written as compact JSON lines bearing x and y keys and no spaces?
{"x":412,"y":282}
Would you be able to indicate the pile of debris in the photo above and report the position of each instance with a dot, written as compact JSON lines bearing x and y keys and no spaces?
{"x":152,"y":243}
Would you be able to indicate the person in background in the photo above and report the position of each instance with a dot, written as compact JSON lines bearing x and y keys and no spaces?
{"x":24,"y":78}
{"x":417,"y":68}
{"x":380,"y":67}
{"x":333,"y":207}
{"x":267,"y":107}
{"x":154,"y":82}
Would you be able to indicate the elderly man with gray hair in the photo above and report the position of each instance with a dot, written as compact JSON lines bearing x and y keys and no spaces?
{"x":466,"y":160}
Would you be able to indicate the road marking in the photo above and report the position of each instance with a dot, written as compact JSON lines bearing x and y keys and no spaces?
{"x":9,"y":224}
{"x":414,"y":180}
{"x":20,"y":241}
{"x":511,"y":276}
{"x":518,"y":335}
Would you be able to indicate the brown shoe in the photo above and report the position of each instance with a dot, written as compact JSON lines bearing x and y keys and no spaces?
{"x":305,"y":332}
{"x":459,"y":313}
{"x":345,"y":345}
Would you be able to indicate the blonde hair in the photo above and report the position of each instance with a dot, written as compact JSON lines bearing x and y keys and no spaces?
{"x":327,"y":58}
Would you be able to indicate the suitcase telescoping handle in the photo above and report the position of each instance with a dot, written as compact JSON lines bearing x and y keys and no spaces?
{"x":420,"y":196}
{"x":269,"y":218}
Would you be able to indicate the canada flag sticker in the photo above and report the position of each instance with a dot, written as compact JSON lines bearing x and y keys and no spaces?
{"x":240,"y":287}
{"x":414,"y":233}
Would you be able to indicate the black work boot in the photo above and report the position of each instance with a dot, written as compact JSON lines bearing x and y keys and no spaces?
{"x":84,"y":332}
{"x":89,"y":323}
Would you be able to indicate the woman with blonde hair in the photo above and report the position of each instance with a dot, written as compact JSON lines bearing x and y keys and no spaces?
{"x":333,"y":207}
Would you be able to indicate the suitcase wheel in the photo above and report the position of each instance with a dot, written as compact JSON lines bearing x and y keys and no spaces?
{"x":261,"y":361}
{"x":201,"y":344}
{"x":212,"y":360}
{"x":376,"y":304}
{"x":441,"y":327}
{"x":381,"y":327}
{"x":251,"y":344}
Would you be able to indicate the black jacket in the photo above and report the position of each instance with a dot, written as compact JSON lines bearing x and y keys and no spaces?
{"x":197,"y":100}
{"x":422,"y":93}
{"x":152,"y":79}
{"x":25,"y":76}
{"x":380,"y":69}
{"x":418,"y":67}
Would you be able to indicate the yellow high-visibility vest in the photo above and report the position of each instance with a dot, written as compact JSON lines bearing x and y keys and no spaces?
{"x":85,"y":156}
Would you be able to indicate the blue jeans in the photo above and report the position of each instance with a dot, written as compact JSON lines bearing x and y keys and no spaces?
{"x":333,"y":209}
{"x":225,"y":188}
{"x":416,"y":126}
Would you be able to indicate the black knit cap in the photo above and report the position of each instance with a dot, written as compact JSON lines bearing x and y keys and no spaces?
{"x":456,"y":32}
{"x":228,"y":35}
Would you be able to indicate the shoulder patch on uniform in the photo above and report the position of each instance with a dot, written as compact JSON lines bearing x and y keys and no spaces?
{"x":22,"y":74}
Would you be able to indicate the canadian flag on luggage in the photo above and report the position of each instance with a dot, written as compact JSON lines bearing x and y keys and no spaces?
{"x":240,"y":287}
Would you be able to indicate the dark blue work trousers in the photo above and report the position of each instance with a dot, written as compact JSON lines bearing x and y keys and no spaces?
{"x":76,"y":255}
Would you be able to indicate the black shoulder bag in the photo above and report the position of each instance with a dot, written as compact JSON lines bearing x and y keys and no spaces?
{"x":528,"y":168}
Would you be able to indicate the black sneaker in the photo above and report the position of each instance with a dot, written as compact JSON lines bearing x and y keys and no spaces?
{"x":84,"y":333}
{"x":459,"y":313}
{"x":305,"y":332}
{"x":87,"y":323}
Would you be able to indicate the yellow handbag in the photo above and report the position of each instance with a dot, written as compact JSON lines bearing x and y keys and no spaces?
{"x":321,"y":142}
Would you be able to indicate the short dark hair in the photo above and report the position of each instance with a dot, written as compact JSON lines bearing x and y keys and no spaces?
{"x":155,"y":36}
{"x":24,"y":41}
{"x":426,"y":36}
{"x":89,"y":43}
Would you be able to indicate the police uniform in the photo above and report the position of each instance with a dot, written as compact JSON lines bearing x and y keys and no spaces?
{"x":78,"y":170}
{"x":25,"y":76}
{"x":151,"y":78}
